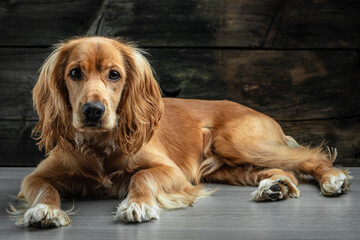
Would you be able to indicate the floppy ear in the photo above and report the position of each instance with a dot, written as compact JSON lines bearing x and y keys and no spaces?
{"x":49,"y":99}
{"x":141,"y":106}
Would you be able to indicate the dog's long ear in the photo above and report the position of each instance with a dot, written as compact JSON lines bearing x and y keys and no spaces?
{"x":49,"y":99}
{"x":141,"y":105}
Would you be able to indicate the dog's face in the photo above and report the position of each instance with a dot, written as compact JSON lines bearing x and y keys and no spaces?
{"x":95,"y":75}
{"x":96,"y":84}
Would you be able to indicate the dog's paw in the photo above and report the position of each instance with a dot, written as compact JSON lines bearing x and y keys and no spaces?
{"x":335,"y":182}
{"x":132,"y":212}
{"x":45,"y":216}
{"x":275,"y":189}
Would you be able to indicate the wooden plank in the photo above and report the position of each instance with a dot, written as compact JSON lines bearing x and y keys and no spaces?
{"x":227,"y":214}
{"x":205,"y":23}
{"x":17,"y":148}
{"x":190,"y":22}
{"x":287,"y":85}
{"x":315,"y":23}
{"x":37,"y":22}
{"x":18,"y":74}
{"x":293,"y":85}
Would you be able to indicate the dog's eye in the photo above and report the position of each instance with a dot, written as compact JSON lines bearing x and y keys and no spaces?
{"x":75,"y":74}
{"x":114,"y":75}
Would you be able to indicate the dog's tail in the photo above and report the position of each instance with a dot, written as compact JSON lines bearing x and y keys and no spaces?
{"x":291,"y":156}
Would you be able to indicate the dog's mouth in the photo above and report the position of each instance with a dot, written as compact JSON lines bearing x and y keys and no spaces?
{"x":92,"y":125}
{"x":89,"y":126}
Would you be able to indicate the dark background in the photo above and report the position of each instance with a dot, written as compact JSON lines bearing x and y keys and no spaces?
{"x":294,"y":60}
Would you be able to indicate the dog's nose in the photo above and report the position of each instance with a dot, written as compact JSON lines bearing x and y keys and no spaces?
{"x":93,"y":111}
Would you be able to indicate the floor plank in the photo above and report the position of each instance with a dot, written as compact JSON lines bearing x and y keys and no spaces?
{"x":228,"y":214}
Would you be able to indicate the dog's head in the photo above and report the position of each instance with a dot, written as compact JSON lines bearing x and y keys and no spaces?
{"x":94,"y":85}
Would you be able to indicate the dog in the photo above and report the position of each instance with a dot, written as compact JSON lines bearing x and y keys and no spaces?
{"x":108,"y":133}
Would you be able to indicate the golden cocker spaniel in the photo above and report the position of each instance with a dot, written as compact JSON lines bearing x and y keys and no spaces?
{"x":108,"y":133}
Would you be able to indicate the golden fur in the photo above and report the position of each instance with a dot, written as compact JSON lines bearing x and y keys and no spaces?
{"x":149,"y":151}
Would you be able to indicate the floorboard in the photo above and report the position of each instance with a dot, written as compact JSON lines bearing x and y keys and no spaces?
{"x":227,"y":214}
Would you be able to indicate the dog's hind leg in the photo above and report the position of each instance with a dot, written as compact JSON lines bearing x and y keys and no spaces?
{"x":273,"y":184}
{"x":258,"y":140}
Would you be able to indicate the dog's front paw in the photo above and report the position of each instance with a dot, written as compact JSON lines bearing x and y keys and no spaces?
{"x":45,"y":216}
{"x":129,"y":211}
{"x":275,"y":189}
{"x":335,"y":182}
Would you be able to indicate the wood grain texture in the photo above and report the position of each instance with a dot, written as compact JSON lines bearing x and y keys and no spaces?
{"x":215,"y":23}
{"x":227,"y":214}
{"x":18,"y":75}
{"x":294,"y":85}
{"x":287,"y":85}
{"x":39,"y":22}
{"x":17,"y":148}
{"x":315,"y":23}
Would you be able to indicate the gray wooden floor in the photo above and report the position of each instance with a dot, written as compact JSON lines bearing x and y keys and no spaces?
{"x":228,"y":214}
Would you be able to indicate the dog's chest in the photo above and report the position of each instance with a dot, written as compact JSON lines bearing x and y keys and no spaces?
{"x":100,"y":187}
{"x":100,"y":174}
{"x":99,"y":178}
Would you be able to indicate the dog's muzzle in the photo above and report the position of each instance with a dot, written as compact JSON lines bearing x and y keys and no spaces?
{"x":93,"y":111}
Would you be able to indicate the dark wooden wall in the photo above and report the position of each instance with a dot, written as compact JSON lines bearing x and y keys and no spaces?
{"x":295,"y":60}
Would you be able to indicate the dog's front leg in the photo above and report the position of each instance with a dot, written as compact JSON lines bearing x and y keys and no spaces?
{"x":43,"y":203}
{"x":155,"y":188}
